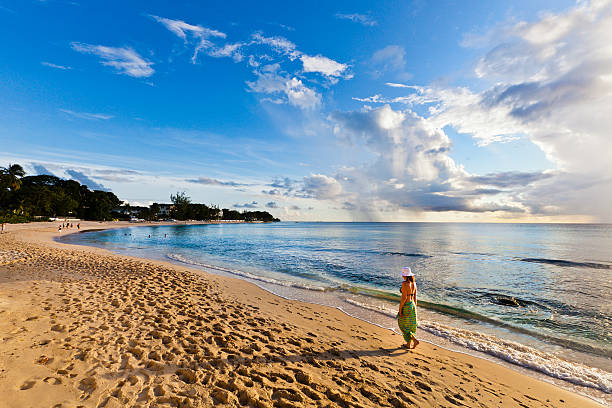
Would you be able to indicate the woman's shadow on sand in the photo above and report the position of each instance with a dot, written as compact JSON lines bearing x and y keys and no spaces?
{"x":332,"y":354}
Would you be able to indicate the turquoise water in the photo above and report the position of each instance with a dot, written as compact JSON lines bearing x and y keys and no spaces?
{"x":551,"y":283}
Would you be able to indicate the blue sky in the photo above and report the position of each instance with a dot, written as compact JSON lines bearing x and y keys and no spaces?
{"x":327,"y":111}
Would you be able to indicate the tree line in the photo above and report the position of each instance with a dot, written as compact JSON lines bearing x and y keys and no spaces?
{"x":27,"y":198}
{"x":183,"y":209}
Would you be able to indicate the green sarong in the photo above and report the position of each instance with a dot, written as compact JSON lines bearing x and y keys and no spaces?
{"x":408,"y":321}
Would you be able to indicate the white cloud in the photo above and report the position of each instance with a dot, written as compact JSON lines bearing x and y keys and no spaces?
{"x":300,"y":95}
{"x":321,"y":187}
{"x":136,"y":203}
{"x":408,"y":147}
{"x":228,"y":50}
{"x":460,"y":108}
{"x":252,"y":204}
{"x":413,"y":170}
{"x":214,"y":182}
{"x":318,"y":63}
{"x":56,"y":66}
{"x":546,"y":80}
{"x":291,"y":86}
{"x":85,"y":180}
{"x":281,"y":87}
{"x":291,"y":213}
{"x":390,"y":61}
{"x":279,"y":44}
{"x":268,"y":80}
{"x":292,"y":90}
{"x":201,"y":35}
{"x":87,"y":115}
{"x":182,"y":29}
{"x":358,"y":18}
{"x":323,"y":65}
{"x":124,"y":59}
{"x":396,"y":85}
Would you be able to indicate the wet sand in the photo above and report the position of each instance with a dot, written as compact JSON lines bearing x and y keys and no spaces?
{"x":80,"y":326}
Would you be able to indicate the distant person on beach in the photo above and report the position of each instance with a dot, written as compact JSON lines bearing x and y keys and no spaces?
{"x":407,"y":316}
{"x":3,"y":227}
{"x":59,"y":229}
{"x":79,"y":226}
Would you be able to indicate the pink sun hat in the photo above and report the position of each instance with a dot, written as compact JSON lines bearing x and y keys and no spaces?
{"x":406,"y":271}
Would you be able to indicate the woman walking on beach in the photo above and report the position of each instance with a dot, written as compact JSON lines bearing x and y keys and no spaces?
{"x":407,"y":316}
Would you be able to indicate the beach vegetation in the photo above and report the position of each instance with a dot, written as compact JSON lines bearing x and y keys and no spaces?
{"x":29,"y":198}
{"x":181,"y":206}
{"x":10,"y":177}
{"x":183,"y":209}
{"x":248,"y":216}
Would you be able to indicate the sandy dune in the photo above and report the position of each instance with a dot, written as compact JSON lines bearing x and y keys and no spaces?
{"x":82,"y":327}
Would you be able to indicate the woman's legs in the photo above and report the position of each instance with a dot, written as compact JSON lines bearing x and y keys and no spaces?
{"x":407,"y":339}
{"x":411,"y":340}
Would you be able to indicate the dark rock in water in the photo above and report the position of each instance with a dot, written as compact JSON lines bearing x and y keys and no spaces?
{"x":507,"y":301}
{"x":563,"y":263}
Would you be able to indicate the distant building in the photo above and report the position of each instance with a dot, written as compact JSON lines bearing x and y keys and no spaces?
{"x":131,"y":211}
{"x":164,"y":210}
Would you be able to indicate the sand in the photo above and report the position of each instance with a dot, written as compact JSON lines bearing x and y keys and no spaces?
{"x":81,"y":327}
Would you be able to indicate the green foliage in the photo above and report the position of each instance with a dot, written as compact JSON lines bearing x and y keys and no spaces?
{"x":121,"y":216}
{"x":19,"y":219}
{"x":28,"y":197}
{"x":10,"y":177}
{"x":184,"y":209}
{"x":154,"y":210}
{"x":181,"y":206}
{"x":150,"y":213}
{"x":248,"y":216}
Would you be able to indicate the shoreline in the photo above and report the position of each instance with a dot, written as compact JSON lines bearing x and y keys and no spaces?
{"x":427,"y":352}
{"x":437,"y":333}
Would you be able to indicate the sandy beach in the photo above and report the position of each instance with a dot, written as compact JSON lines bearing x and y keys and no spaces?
{"x":81,"y":327}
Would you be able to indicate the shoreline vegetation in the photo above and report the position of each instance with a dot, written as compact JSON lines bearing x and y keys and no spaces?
{"x":44,"y":197}
{"x":83,"y":327}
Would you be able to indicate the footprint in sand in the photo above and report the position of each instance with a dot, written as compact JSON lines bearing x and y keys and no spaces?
{"x":44,"y":360}
{"x":88,"y":385}
{"x":58,"y":328}
{"x":27,"y":385}
{"x":53,"y":380}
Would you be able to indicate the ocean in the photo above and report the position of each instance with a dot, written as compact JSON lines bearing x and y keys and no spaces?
{"x":536,"y":297}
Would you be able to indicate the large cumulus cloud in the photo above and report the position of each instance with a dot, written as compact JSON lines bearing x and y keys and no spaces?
{"x":412,"y":170}
{"x":548,"y":80}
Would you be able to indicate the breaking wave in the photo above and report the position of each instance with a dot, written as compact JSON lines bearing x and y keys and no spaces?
{"x":237,"y":272}
{"x":512,"y":352}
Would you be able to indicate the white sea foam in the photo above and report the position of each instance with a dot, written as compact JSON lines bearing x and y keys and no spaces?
{"x":237,"y":272}
{"x":512,"y":352}
{"x":381,"y":309}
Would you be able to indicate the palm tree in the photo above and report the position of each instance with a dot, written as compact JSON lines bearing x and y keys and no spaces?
{"x":11,"y":176}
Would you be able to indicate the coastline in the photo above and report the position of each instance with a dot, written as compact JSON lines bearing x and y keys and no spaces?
{"x":347,"y":362}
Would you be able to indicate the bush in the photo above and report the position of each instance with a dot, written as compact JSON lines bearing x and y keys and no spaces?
{"x":20,"y":219}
